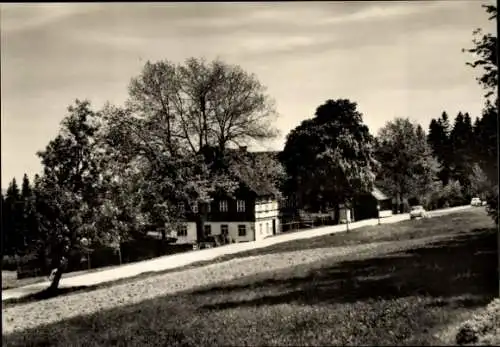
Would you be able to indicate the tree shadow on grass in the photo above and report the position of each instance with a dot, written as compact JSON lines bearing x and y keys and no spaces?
{"x":46,"y":294}
{"x":465,"y":266}
{"x":460,"y":272}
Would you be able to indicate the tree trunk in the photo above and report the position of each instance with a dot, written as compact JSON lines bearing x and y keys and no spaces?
{"x":42,"y":261}
{"x":55,"y":281}
{"x":200,"y":222}
{"x":336,"y":216}
{"x":161,"y":248}
{"x":58,"y":275}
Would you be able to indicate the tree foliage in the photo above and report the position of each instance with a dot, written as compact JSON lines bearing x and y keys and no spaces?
{"x":462,"y":150}
{"x":172,"y":136}
{"x":329,"y":158}
{"x":439,"y":140}
{"x":202,"y":104}
{"x":408,"y":168}
{"x":70,"y":192}
{"x":485,"y":55}
{"x":12,"y":210}
{"x":480,"y":185}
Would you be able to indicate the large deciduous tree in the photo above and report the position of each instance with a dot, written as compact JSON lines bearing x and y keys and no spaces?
{"x":176,"y":126}
{"x":69,"y":194}
{"x":329,"y":158}
{"x":202,"y":104}
{"x":408,"y":168}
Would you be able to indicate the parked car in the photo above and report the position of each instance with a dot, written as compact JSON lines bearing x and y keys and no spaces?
{"x":418,"y":212}
{"x":475,"y":202}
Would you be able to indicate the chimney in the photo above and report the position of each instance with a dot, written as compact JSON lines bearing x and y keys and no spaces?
{"x":243,"y":148}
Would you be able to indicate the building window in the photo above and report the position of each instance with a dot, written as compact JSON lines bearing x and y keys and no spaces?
{"x":208,"y":229}
{"x":224,"y":229}
{"x":260,"y":227}
{"x":195,"y":208}
{"x":182,"y":230}
{"x":180,"y":206}
{"x":267,"y":228}
{"x":240,"y":205}
{"x":223,"y":206}
{"x":242,"y":230}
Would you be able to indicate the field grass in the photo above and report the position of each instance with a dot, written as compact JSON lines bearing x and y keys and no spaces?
{"x":9,"y":280}
{"x":400,"y":298}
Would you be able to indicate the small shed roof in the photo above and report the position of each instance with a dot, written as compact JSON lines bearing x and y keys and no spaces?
{"x":377,"y":194}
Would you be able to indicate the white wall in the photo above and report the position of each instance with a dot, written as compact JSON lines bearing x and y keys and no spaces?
{"x":267,"y":228}
{"x":215,"y":228}
{"x":191,"y":234}
{"x":266,"y":209}
{"x":345,"y":214}
{"x":233,"y":230}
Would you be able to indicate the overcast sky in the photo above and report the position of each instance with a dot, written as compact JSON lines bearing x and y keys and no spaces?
{"x":395,"y":59}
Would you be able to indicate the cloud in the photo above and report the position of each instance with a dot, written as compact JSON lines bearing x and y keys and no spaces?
{"x":21,"y":17}
{"x":378,"y":13}
{"x":394,"y":59}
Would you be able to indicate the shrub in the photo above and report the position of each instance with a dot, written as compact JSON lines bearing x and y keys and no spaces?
{"x":452,"y":194}
{"x":483,"y":328}
{"x":9,"y":263}
{"x":492,"y":204}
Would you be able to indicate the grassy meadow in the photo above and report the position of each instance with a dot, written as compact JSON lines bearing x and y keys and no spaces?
{"x":404,"y":297}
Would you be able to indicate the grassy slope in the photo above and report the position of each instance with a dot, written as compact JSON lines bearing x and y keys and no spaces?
{"x":9,"y":280}
{"x":400,"y":298}
{"x":389,"y":232}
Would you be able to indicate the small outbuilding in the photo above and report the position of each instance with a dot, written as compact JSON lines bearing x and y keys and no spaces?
{"x":373,"y":205}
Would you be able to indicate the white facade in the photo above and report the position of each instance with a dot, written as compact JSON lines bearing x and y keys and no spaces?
{"x":345,"y":215}
{"x":266,"y":216}
{"x":191,"y":234}
{"x":233,"y":230}
{"x":264,"y":227}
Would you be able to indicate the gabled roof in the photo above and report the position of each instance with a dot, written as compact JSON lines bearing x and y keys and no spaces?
{"x":377,"y":194}
{"x":249,"y":177}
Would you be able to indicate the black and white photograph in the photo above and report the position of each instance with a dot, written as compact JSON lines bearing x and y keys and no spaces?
{"x":266,"y":173}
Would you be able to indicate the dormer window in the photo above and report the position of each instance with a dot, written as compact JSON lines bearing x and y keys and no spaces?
{"x":223,"y":206}
{"x":240,"y":205}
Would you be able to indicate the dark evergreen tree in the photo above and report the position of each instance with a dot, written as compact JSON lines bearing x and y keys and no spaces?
{"x":28,"y":227}
{"x":438,"y":139}
{"x":462,"y":161}
{"x":13,"y":217}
